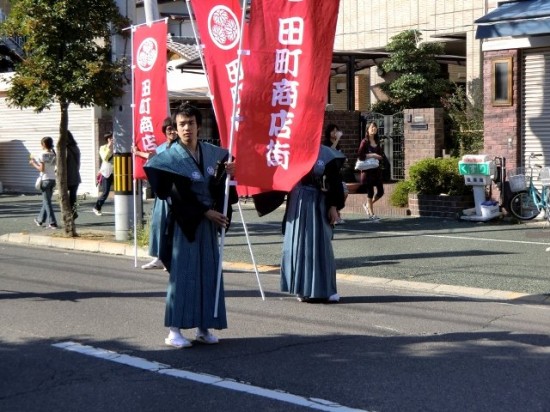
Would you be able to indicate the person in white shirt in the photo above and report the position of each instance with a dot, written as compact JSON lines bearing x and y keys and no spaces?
{"x":45,"y":164}
{"x":105,"y":171}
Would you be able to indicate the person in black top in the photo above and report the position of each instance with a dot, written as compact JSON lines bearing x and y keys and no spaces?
{"x":372,"y":178}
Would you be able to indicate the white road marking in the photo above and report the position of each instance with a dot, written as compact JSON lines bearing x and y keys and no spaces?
{"x":482,"y":239}
{"x":526,"y":242}
{"x":160,"y":368}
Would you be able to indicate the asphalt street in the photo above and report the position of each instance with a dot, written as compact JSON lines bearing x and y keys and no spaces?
{"x":435,"y":315}
{"x":84,"y":332}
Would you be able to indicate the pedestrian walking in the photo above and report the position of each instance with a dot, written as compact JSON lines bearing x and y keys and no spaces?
{"x":73,"y":172}
{"x":45,"y":164}
{"x":369,"y":148}
{"x":105,"y":172}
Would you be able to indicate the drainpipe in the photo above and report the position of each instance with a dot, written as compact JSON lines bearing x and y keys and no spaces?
{"x":151,"y":10}
{"x":350,"y":78}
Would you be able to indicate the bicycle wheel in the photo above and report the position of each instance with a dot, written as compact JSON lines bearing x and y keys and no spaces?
{"x":547,"y":204}
{"x":523,"y":207}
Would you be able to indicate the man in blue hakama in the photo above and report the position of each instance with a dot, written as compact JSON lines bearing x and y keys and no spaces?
{"x":308,"y":269}
{"x":160,"y":207}
{"x":190,"y":176}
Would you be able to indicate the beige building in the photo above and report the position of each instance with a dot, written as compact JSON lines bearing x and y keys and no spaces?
{"x":368,"y":26}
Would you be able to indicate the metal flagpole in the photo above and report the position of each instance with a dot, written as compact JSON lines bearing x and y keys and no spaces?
{"x":134,"y":182}
{"x":228,"y":181}
{"x":250,"y":249}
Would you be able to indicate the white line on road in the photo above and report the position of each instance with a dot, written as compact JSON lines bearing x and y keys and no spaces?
{"x":526,"y":242}
{"x":483,"y":239}
{"x":160,"y":368}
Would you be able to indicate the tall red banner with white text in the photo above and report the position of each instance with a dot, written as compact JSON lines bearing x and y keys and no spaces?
{"x":150,"y":90}
{"x":284,"y":96}
{"x":219,"y":27}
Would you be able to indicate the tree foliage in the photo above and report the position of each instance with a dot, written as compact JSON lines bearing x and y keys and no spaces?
{"x":466,"y":117}
{"x":68,"y":53}
{"x":68,"y":61}
{"x":415,"y":75}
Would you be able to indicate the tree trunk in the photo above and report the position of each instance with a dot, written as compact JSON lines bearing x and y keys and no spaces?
{"x":66,"y":211}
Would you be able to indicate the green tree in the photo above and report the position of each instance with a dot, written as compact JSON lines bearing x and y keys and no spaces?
{"x":68,"y":61}
{"x":415,"y":75}
{"x":465,"y":114}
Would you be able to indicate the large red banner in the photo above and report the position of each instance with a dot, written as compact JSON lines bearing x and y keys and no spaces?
{"x":150,"y":91}
{"x":284,"y":94}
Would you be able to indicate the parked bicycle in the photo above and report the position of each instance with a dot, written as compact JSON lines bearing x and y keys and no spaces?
{"x":529,"y":201}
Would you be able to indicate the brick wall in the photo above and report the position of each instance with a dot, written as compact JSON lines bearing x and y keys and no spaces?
{"x":422,"y":144}
{"x":362,"y":93}
{"x":502,"y":123}
{"x":439,"y":206}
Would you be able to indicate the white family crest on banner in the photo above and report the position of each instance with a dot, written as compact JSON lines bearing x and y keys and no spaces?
{"x":223,"y":27}
{"x":147,"y":54}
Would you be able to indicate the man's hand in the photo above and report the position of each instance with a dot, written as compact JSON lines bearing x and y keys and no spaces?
{"x":219,"y":219}
{"x":332,"y":215}
{"x":230,"y":168}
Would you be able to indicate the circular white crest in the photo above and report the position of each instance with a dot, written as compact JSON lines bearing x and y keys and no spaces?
{"x":210,"y":170}
{"x":147,"y":54}
{"x":223,"y":27}
{"x":196,"y":175}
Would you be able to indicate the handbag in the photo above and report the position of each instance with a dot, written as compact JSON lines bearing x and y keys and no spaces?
{"x":99,"y":178}
{"x":38,"y":183}
{"x":369,"y":163}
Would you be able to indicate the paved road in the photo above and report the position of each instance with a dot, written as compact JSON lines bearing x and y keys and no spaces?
{"x":459,"y":257}
{"x":83,"y":332}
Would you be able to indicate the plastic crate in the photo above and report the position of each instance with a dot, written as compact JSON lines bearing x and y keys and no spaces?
{"x":518,"y":179}
{"x":544,"y":175}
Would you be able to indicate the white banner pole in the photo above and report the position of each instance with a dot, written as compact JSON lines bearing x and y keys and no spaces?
{"x":134,"y":183}
{"x":227,"y":182}
{"x":250,"y":249}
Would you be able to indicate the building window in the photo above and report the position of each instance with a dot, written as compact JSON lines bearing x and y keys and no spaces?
{"x":502,"y":82}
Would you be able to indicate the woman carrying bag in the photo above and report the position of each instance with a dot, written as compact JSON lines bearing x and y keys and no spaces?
{"x":45,"y":164}
{"x":369,"y":148}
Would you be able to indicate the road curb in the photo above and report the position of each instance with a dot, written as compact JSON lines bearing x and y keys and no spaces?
{"x":123,"y":249}
{"x":83,"y":245}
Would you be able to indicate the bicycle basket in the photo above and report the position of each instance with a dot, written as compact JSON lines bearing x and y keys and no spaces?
{"x":544,"y":175}
{"x":517,"y":179}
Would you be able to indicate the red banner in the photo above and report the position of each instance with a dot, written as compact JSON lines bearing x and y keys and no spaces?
{"x":150,"y":91}
{"x":284,"y":94}
{"x":219,"y":27}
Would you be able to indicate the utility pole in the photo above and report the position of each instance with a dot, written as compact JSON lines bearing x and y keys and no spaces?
{"x":151,"y":10}
{"x":123,"y":138}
